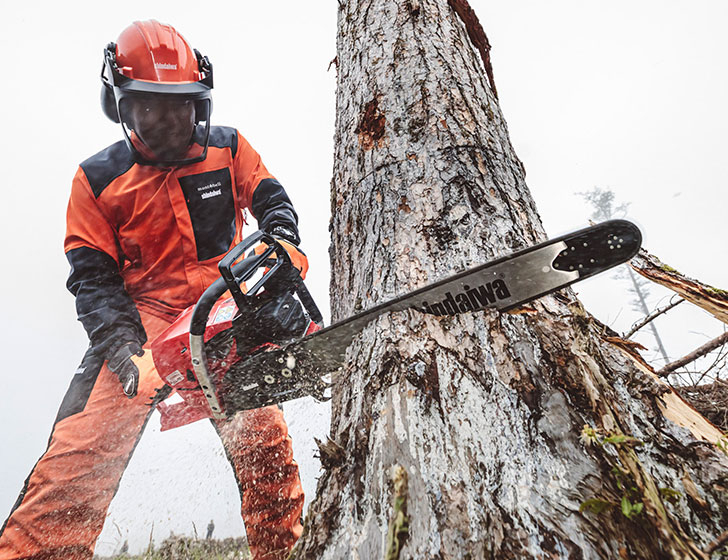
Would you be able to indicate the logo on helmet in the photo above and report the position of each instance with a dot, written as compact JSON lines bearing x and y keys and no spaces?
{"x":165,"y":66}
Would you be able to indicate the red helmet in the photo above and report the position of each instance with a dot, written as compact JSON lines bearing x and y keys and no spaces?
{"x":159,"y":89}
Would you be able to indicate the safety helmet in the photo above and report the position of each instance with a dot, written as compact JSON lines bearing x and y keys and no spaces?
{"x":151,"y":67}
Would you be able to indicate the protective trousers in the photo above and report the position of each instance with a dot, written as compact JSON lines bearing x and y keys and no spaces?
{"x":61,"y":510}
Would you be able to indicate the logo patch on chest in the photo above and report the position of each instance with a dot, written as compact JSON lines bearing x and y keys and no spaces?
{"x":211,"y":204}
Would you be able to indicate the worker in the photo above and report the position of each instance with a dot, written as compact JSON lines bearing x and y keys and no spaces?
{"x":148,"y":220}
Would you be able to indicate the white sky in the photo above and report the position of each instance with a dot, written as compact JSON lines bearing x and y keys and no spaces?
{"x":625,"y":95}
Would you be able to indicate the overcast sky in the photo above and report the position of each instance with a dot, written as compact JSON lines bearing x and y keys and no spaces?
{"x":627,"y":95}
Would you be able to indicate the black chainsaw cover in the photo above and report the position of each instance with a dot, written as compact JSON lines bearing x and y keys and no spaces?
{"x":277,"y":320}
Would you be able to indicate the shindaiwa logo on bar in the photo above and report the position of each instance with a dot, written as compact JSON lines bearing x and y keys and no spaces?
{"x":469,"y":299}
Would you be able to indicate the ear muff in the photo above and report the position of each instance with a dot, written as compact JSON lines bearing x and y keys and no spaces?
{"x":108,"y":102}
{"x":203,"y":109}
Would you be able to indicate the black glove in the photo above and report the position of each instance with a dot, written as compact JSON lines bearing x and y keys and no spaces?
{"x":287,"y":233}
{"x":125,"y":369}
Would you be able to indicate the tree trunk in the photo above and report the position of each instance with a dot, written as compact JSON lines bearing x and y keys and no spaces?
{"x":480,"y":435}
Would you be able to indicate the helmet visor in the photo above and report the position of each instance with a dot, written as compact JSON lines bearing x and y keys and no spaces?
{"x":165,"y":129}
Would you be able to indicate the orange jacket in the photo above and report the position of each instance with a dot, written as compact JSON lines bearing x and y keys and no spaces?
{"x":147,"y":236}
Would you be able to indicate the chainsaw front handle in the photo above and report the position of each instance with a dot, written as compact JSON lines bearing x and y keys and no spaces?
{"x":231,"y":276}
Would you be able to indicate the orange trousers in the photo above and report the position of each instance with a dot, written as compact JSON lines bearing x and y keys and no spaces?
{"x":61,"y":509}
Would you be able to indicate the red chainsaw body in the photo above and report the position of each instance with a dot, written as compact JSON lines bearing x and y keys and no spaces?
{"x":171,"y":353}
{"x":172,"y":359}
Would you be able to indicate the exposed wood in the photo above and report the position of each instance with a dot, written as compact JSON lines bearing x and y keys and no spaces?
{"x":711,"y":400}
{"x":477,"y":36}
{"x":673,"y":406}
{"x":711,"y":299}
{"x":680,"y":406}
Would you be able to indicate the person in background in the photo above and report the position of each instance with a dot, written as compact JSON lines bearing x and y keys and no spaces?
{"x":210,"y":529}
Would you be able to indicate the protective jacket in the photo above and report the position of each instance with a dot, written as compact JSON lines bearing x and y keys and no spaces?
{"x":143,"y":243}
{"x":150,"y":238}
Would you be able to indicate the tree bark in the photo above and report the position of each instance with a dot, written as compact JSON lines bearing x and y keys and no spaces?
{"x":483,"y":435}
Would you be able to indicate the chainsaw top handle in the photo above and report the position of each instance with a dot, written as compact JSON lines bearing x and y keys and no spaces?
{"x":233,"y":274}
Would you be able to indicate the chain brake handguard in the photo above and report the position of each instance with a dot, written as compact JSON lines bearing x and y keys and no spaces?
{"x":271,"y":259}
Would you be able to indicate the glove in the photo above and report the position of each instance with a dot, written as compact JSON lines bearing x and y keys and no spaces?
{"x":125,"y":369}
{"x":286,"y":278}
{"x":299,"y":260}
{"x":290,"y":240}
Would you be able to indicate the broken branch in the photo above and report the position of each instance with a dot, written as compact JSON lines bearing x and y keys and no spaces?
{"x":713,"y":300}
{"x":651,"y":317}
{"x":694,"y":355}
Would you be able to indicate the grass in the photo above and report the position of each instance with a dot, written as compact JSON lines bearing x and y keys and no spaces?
{"x":188,"y":548}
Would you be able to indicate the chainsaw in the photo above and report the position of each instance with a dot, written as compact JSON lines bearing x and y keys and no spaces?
{"x":221,"y":359}
{"x":193,"y":355}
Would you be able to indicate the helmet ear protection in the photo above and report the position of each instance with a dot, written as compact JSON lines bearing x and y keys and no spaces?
{"x":203,"y":110}
{"x":108,"y":101}
{"x":152,"y":60}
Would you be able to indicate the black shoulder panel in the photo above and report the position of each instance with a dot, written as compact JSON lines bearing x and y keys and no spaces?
{"x":224,"y":137}
{"x":107,"y":165}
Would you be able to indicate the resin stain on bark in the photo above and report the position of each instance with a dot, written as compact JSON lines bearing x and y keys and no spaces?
{"x":371,"y":126}
{"x":477,"y":36}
